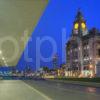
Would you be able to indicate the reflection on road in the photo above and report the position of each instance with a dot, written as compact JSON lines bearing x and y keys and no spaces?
{"x":91,"y":89}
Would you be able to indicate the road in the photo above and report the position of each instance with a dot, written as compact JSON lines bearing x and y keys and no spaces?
{"x":45,"y":90}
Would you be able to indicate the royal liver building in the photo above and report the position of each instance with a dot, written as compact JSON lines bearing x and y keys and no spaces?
{"x":83,"y":50}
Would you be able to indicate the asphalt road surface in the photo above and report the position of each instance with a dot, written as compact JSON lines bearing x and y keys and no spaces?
{"x":45,"y":90}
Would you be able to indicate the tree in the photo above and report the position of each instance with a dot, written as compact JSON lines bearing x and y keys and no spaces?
{"x":63,"y":65}
{"x":46,"y":69}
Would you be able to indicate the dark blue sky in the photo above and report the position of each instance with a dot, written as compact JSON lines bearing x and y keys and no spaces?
{"x":60,"y":14}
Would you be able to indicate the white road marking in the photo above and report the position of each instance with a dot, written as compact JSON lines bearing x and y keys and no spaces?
{"x":40,"y":93}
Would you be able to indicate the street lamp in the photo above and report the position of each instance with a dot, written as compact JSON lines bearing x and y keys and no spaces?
{"x":3,"y":58}
{"x":0,"y":52}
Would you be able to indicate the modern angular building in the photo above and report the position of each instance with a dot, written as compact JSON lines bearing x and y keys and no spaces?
{"x":83,"y":50}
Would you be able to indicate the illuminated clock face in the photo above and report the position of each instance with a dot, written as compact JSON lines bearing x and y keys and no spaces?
{"x":76,"y":26}
{"x":83,"y":25}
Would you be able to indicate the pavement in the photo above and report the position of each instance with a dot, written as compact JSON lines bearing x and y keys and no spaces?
{"x":18,"y":90}
{"x":45,"y":90}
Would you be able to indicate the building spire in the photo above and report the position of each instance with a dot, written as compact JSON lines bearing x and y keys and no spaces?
{"x":79,"y":24}
{"x":79,"y":15}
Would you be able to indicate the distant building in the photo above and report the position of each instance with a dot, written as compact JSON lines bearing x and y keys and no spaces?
{"x":83,"y":50}
{"x":55,"y":61}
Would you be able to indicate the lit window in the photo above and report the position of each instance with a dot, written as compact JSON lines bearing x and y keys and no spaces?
{"x":76,"y":26}
{"x":83,"y":25}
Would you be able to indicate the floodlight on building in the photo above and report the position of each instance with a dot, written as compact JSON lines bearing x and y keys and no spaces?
{"x":91,"y":66}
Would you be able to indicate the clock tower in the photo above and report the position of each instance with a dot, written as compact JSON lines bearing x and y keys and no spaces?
{"x":79,"y":27}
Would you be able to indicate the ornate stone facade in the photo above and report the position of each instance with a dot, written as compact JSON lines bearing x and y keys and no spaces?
{"x":83,"y":50}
